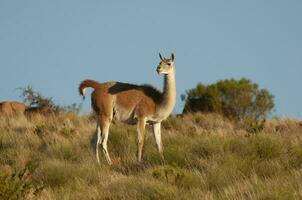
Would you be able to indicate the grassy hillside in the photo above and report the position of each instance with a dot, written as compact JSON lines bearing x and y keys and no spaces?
{"x":206,"y":157}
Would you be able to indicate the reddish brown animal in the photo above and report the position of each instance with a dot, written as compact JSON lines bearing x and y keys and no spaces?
{"x":12,"y":107}
{"x":42,"y":110}
{"x":133,"y":104}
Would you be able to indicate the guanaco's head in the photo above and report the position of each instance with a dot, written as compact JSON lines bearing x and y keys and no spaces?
{"x":166,"y":65}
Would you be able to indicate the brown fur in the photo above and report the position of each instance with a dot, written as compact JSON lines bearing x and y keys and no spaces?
{"x":44,"y":110}
{"x":133,"y":104}
{"x":12,"y":107}
{"x":141,"y":99}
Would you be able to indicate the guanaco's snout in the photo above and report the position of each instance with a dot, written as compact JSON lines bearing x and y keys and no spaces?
{"x":158,"y":69}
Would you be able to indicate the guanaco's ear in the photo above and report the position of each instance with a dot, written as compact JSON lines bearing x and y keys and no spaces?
{"x":172,"y":57}
{"x":161,"y":57}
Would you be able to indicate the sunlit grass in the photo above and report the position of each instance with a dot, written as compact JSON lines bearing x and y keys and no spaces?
{"x":206,"y":157}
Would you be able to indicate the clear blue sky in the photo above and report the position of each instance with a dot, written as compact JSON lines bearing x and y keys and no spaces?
{"x":53,"y":45}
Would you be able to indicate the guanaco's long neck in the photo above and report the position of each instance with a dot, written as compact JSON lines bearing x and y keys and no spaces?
{"x":169,"y":94}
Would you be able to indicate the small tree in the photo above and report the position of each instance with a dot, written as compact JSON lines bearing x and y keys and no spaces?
{"x":39,"y":103}
{"x":240,"y":100}
{"x":36,"y":100}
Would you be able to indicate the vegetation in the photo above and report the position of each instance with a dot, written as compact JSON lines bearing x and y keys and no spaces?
{"x":206,"y":157}
{"x":35,"y":99}
{"x":39,"y":103}
{"x":240,"y":100}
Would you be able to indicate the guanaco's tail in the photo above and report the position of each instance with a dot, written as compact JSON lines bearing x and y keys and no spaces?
{"x":87,"y":83}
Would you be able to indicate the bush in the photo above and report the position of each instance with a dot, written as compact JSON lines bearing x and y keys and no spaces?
{"x":36,"y":100}
{"x":267,"y":148}
{"x":18,"y":185}
{"x":240,"y":100}
{"x":41,"y":104}
{"x":139,"y":188}
{"x":179,"y":177}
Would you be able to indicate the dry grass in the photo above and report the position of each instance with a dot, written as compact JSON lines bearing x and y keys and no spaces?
{"x":206,"y":157}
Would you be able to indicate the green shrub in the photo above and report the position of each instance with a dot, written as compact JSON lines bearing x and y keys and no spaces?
{"x":268,"y":168}
{"x":36,"y":100}
{"x":295,"y":156}
{"x":177,"y":151}
{"x":138,"y":188}
{"x":172,"y":123}
{"x":266,"y":147}
{"x":178,"y":177}
{"x":63,"y":150}
{"x":207,"y":147}
{"x":18,"y":185}
{"x":55,"y":174}
{"x":240,"y":146}
{"x":235,"y":99}
{"x":276,"y":188}
{"x":221,"y":176}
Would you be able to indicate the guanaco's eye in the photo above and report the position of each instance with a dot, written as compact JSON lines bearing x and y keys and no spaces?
{"x":169,"y":64}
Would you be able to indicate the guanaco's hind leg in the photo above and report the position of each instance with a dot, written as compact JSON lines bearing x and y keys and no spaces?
{"x":98,"y":141}
{"x":102,"y":132}
{"x":141,"y":136}
{"x":105,"y":131}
